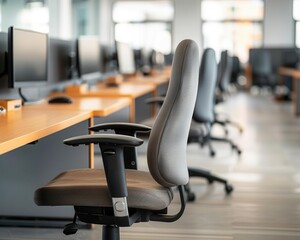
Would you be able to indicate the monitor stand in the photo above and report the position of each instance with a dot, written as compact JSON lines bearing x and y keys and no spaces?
{"x":25,"y":101}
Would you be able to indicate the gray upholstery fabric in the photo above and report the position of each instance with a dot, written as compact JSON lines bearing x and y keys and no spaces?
{"x":88,"y":187}
{"x":204,"y":108}
{"x":224,"y":71}
{"x":197,"y":131}
{"x":168,"y":139}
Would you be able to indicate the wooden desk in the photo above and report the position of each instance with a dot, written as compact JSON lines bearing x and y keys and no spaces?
{"x":295,"y":74}
{"x":33,"y":122}
{"x":128,"y":90}
{"x":98,"y":107}
{"x":156,"y":79}
{"x":21,"y":127}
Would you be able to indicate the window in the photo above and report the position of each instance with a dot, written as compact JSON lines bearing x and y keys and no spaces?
{"x":85,"y":17}
{"x":144,"y":24}
{"x":35,"y":16}
{"x":27,"y":14}
{"x":296,"y":14}
{"x":235,"y":25}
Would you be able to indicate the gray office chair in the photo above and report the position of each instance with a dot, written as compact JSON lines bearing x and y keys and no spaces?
{"x":203,"y":116}
{"x":114,"y":196}
{"x":223,"y":81}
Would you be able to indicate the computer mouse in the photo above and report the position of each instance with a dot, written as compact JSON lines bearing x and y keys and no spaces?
{"x":2,"y":109}
{"x":60,"y":99}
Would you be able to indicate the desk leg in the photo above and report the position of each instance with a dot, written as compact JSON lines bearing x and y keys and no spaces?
{"x":153,"y":107}
{"x":296,"y":92}
{"x":91,"y":146}
{"x":132,"y":111}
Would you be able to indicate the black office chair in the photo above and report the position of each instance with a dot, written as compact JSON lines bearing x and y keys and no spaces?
{"x":223,"y":80}
{"x":236,"y":72}
{"x":203,"y":116}
{"x":262,"y":70}
{"x":114,"y":196}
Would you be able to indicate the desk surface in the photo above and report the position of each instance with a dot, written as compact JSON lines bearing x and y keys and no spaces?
{"x":293,"y":72}
{"x":24,"y":126}
{"x":130,"y":90}
{"x":99,"y":107}
{"x":156,"y":79}
{"x":33,"y":122}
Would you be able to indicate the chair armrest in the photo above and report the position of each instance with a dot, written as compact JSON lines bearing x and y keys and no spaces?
{"x":121,"y":128}
{"x":112,"y":150}
{"x":155,"y":100}
{"x":130,"y":129}
{"x":118,"y":140}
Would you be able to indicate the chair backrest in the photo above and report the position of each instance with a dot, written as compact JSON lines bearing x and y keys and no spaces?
{"x":224,"y":71}
{"x":262,"y":63}
{"x":236,"y":69}
{"x":168,"y":139}
{"x":204,"y":107}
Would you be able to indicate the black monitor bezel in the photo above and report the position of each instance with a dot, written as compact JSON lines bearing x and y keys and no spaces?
{"x":134,"y":70}
{"x":10,"y":60}
{"x":90,"y":75}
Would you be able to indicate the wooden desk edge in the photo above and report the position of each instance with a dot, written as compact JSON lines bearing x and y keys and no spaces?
{"x":38,"y":134}
{"x":114,"y":108}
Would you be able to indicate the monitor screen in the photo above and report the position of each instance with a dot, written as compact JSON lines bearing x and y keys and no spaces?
{"x":125,"y":57}
{"x":27,"y":58}
{"x":61,"y":66}
{"x":88,"y":56}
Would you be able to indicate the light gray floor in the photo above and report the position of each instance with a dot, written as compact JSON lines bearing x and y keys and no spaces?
{"x":266,"y":202}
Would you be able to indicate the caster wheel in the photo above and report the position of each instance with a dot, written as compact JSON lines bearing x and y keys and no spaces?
{"x":210,"y":181}
{"x":70,"y":229}
{"x":191,"y":197}
{"x":239,"y":152}
{"x":212,"y":153}
{"x":228,"y":189}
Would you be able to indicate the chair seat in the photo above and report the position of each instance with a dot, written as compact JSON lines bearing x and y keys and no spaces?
{"x":143,"y":191}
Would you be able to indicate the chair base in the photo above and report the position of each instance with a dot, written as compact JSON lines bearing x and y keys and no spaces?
{"x":111,"y":232}
{"x":196,"y":172}
{"x":233,"y":145}
{"x":228,"y":122}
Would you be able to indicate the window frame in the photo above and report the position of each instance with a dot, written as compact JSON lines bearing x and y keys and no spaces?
{"x":233,"y":20}
{"x":296,"y":21}
{"x":147,"y":21}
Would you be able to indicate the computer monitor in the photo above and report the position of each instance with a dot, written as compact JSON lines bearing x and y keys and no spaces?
{"x":125,"y":58}
{"x":88,"y":54}
{"x":27,"y":58}
{"x":3,"y":58}
{"x":61,"y":64}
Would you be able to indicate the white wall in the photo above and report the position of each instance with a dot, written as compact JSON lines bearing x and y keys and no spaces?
{"x":187,"y":21}
{"x":278,"y":24}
